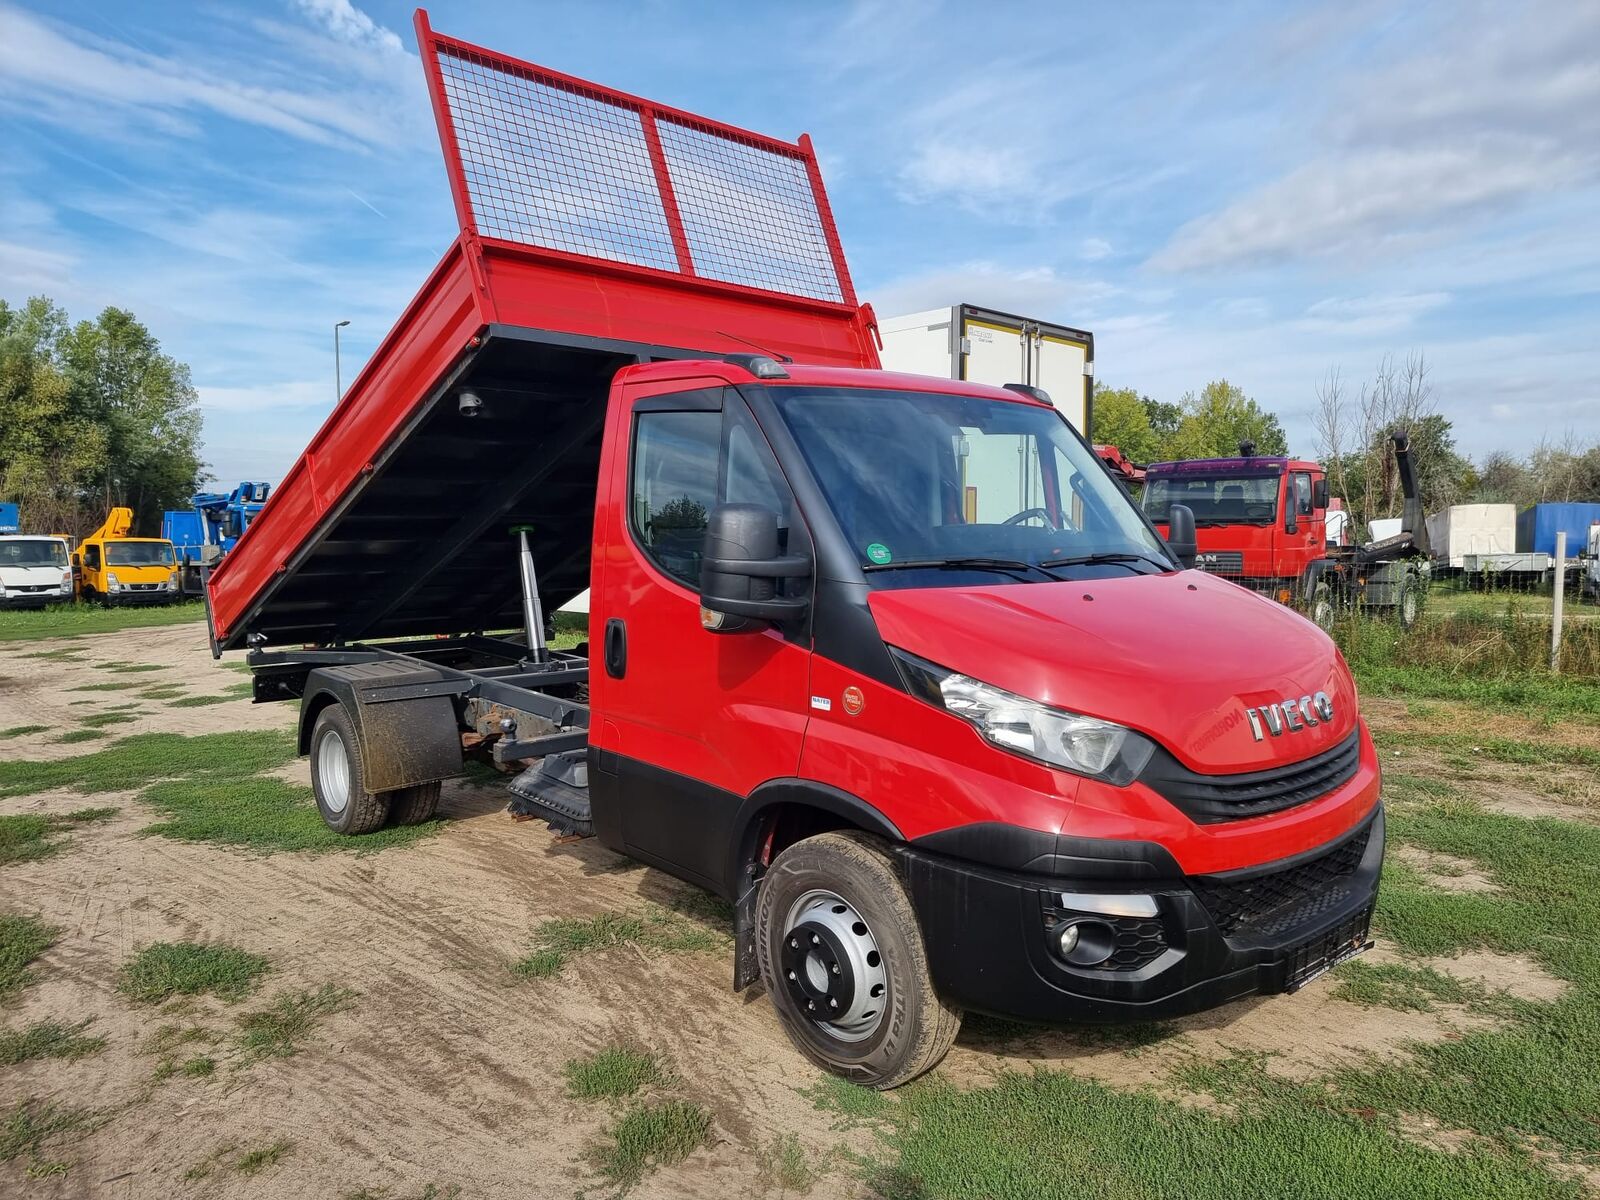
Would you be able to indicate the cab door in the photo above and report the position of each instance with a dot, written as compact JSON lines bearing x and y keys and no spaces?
{"x":685,"y":723}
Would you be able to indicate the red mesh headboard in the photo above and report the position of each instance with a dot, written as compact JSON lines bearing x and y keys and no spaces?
{"x":542,"y":159}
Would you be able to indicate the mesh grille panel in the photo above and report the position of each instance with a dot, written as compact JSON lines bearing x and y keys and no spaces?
{"x":749,"y":214}
{"x":556,"y":163}
{"x":548,"y":166}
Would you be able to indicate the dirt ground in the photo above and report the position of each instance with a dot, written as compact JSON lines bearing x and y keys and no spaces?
{"x":447,"y":1069}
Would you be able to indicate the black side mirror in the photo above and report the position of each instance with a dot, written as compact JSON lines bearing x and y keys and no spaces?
{"x":740,"y":569}
{"x":1180,"y":534}
{"x":1319,"y":494}
{"x":1290,"y":523}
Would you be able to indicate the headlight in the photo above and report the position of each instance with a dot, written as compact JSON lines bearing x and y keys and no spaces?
{"x":1080,"y":744}
{"x":113,"y":582}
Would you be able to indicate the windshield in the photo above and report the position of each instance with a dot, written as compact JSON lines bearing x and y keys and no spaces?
{"x":918,"y":480}
{"x":1214,"y":500}
{"x":139,"y":554}
{"x":41,"y":553}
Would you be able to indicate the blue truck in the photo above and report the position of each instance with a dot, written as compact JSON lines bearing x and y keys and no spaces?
{"x":10,"y":519}
{"x":209,"y":528}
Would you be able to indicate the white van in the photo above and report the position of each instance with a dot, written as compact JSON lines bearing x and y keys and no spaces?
{"x":34,"y":571}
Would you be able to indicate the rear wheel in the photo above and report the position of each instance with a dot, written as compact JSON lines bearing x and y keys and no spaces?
{"x":1320,"y":608}
{"x":1408,"y":606}
{"x":414,"y":805}
{"x":842,"y":957}
{"x":338,"y":776}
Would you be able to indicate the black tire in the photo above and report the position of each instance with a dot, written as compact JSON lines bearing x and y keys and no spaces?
{"x":1408,"y":603}
{"x":414,"y":805}
{"x":913,"y":1028}
{"x":350,"y":809}
{"x":1320,"y":608}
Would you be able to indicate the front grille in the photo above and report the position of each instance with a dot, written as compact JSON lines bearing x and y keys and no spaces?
{"x":1221,"y":562}
{"x":1208,"y":799}
{"x":1327,"y":951}
{"x":1275,"y":901}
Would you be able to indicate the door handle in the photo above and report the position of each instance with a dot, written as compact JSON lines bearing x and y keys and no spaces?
{"x":616,"y":648}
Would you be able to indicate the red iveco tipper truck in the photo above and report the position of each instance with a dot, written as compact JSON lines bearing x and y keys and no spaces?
{"x":1031,"y":766}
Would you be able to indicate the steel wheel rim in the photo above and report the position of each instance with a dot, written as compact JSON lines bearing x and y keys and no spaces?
{"x":830,"y":954}
{"x":1322,"y":615}
{"x":1408,"y":606}
{"x":333,"y":772}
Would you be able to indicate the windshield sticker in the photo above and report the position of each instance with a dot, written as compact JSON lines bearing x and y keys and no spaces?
{"x":879,"y":553}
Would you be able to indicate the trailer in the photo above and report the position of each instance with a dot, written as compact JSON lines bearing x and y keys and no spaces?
{"x":929,"y":773}
{"x":968,"y":341}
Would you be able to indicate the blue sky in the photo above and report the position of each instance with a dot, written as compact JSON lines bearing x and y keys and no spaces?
{"x":1256,"y":191}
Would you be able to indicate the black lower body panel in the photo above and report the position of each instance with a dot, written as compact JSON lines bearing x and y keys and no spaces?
{"x":990,"y":933}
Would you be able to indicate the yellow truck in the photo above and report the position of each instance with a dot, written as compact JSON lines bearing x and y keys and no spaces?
{"x":112,"y":568}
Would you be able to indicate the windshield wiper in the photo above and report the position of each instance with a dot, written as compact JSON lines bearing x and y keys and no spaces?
{"x":1004,"y":565}
{"x":1105,"y":556}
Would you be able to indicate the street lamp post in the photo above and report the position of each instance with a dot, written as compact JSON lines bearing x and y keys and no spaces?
{"x":338,"y":385}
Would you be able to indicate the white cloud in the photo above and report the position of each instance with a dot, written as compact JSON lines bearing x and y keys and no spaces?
{"x":349,"y":24}
{"x":973,"y":174}
{"x":1378,"y":313}
{"x":1494,"y":109}
{"x":67,"y":76}
{"x":313,"y":394}
{"x":1033,"y":291}
{"x":1094,"y":249}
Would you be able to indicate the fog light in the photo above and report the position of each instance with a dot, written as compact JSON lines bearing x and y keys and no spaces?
{"x":1067,"y":941}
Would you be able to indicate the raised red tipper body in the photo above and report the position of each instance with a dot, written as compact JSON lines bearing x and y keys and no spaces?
{"x":1029,"y":766}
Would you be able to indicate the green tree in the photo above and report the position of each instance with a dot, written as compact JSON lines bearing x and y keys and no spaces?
{"x":1164,"y":420}
{"x":1218,"y":419}
{"x":1121,"y":419}
{"x":92,"y":415}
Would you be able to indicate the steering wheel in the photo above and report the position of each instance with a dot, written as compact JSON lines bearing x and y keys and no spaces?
{"x":1028,"y":514}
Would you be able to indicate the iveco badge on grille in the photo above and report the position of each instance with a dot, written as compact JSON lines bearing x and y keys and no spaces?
{"x":1289,"y":715}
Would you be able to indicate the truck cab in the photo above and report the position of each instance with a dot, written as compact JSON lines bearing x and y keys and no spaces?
{"x":34,"y":571}
{"x":210,"y":527}
{"x":115,"y":569}
{"x":1260,"y":521}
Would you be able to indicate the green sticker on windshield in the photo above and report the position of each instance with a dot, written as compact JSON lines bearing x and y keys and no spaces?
{"x":879,"y":553}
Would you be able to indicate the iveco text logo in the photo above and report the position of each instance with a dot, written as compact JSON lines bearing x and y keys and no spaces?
{"x":1289,"y":714}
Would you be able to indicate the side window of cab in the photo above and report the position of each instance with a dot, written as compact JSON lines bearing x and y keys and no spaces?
{"x":690,"y":453}
{"x":91,"y":557}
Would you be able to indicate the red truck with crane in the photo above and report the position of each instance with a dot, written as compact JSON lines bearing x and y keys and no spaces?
{"x":1262,"y":521}
{"x":1032,"y":767}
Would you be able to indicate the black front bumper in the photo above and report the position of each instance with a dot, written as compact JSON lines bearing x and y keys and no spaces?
{"x":1213,"y":939}
{"x":33,"y":599}
{"x":127,"y":599}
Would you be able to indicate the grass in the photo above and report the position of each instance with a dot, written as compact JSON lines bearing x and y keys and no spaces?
{"x":17,"y":731}
{"x":198,"y":701}
{"x":264,"y":815}
{"x":651,"y":1136}
{"x":79,"y":736}
{"x":166,"y":969}
{"x":612,"y":1073}
{"x":253,"y":1162}
{"x":22,"y":939}
{"x":29,"y":837}
{"x":102,"y":720}
{"x":33,"y":1124}
{"x":276,"y":1031}
{"x":74,"y":620}
{"x":47,"y":1039}
{"x":431,"y":1191}
{"x":786,"y":1168}
{"x":131,"y":668}
{"x":141,"y":759}
{"x":200,"y":1066}
{"x":558,"y":942}
{"x":163,"y":691}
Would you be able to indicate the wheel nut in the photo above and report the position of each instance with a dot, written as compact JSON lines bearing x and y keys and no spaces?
{"x":833,"y":1004}
{"x":794,"y":943}
{"x":812,"y":1005}
{"x":815,"y":940}
{"x":835,"y":968}
{"x":791,"y":974}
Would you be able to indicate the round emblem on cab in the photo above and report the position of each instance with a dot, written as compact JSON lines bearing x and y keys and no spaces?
{"x":853,"y":700}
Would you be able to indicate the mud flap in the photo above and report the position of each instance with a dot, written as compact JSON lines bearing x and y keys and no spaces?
{"x":746,"y":967}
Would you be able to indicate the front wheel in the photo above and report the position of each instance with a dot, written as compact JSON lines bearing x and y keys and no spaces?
{"x":1408,"y":607}
{"x":842,"y":957}
{"x":1320,"y":608}
{"x":338,"y":776}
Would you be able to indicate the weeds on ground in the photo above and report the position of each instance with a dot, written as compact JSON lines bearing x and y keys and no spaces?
{"x":649,"y":1136}
{"x":77,"y":737}
{"x":162,"y":691}
{"x":252,"y":1162}
{"x":72,"y":620}
{"x":263,"y":814}
{"x":198,"y":701}
{"x":849,"y":1103}
{"x":103,"y":720}
{"x":34,"y":1124}
{"x":22,"y":939}
{"x":47,"y":1039}
{"x":166,"y":969}
{"x":612,"y":1073}
{"x":276,"y":1031}
{"x":29,"y":837}
{"x":17,"y":731}
{"x":431,"y":1191}
{"x":786,"y":1166}
{"x":143,"y":758}
{"x":558,"y":942}
{"x":131,"y":668}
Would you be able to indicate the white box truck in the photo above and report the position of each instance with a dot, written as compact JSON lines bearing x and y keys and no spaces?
{"x":965,"y":341}
{"x":1472,"y":529}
